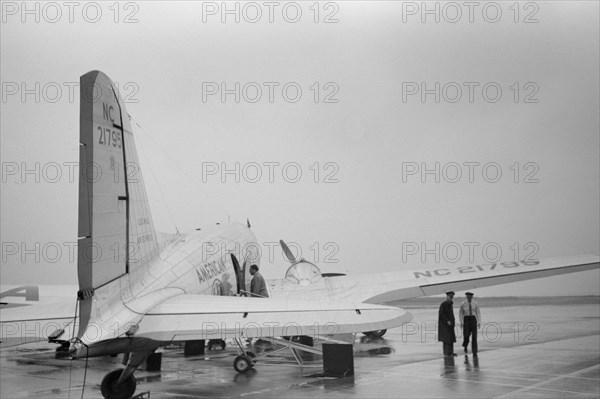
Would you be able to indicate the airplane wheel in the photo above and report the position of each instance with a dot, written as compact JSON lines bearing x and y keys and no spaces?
{"x":375,"y":334}
{"x":124,"y":390}
{"x":242,"y":363}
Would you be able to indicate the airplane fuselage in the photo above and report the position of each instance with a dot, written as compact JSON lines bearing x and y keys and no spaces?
{"x":200,"y":262}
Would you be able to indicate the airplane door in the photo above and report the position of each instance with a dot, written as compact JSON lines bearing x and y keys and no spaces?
{"x":240,"y":274}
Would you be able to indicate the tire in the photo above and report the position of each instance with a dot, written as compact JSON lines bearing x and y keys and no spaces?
{"x":375,"y":334}
{"x":110,"y":389}
{"x":242,"y":364}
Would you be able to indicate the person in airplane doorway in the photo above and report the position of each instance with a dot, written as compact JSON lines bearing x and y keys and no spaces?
{"x":470,"y":319}
{"x":258,"y":286}
{"x":446,"y":322}
{"x":258,"y":289}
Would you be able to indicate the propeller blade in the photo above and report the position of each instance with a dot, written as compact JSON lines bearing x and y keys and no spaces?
{"x":287,"y":252}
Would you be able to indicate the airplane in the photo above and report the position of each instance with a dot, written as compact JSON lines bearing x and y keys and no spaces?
{"x":139,"y":291}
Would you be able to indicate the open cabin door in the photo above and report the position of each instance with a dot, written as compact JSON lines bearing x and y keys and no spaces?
{"x":240,"y":274}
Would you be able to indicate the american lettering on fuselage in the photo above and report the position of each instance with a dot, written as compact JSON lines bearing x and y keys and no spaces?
{"x":475,"y":269}
{"x":210,"y":270}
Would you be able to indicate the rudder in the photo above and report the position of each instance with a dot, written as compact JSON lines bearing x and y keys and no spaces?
{"x":115,"y":231}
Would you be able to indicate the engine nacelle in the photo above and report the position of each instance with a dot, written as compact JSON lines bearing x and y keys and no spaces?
{"x":303,"y":273}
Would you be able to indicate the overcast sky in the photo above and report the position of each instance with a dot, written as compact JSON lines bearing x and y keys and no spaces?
{"x":359,"y":97}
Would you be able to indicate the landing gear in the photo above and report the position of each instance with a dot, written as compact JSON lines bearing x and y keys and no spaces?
{"x":111,"y":390}
{"x":375,"y":334}
{"x":121,"y":384}
{"x":242,"y":363}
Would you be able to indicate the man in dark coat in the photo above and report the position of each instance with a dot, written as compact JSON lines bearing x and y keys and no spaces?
{"x":258,"y":286}
{"x":446,"y":333}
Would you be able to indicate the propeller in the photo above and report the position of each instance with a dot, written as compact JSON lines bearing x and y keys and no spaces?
{"x":301,"y":271}
{"x":288,"y":253}
{"x":305,"y":273}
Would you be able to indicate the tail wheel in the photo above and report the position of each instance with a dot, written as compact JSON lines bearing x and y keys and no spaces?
{"x":111,"y":390}
{"x":242,"y":363}
{"x":375,"y":334}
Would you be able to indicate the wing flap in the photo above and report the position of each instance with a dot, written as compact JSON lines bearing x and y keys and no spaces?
{"x":188,"y":317}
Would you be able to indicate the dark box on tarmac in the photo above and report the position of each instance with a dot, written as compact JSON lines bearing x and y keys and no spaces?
{"x":193,"y":348}
{"x":338,"y":360}
{"x":154,"y":362}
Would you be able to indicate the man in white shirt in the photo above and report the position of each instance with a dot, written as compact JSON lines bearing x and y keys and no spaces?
{"x":470,"y":319}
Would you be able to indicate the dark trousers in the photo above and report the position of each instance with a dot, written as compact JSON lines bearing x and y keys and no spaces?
{"x":448,"y":348}
{"x":470,"y":330}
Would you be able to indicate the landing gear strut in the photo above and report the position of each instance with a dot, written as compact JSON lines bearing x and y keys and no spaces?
{"x":111,"y":389}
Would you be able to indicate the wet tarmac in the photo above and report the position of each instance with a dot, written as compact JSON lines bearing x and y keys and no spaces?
{"x":545,"y":350}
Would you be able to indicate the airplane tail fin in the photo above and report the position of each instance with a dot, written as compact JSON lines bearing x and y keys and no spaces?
{"x":116,"y":234}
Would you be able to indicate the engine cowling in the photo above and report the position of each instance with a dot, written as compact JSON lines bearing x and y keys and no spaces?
{"x":303,"y":273}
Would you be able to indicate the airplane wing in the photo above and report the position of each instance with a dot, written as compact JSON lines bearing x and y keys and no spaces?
{"x":189,"y":317}
{"x":22,"y":323}
{"x":32,"y":313}
{"x":395,"y":286}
